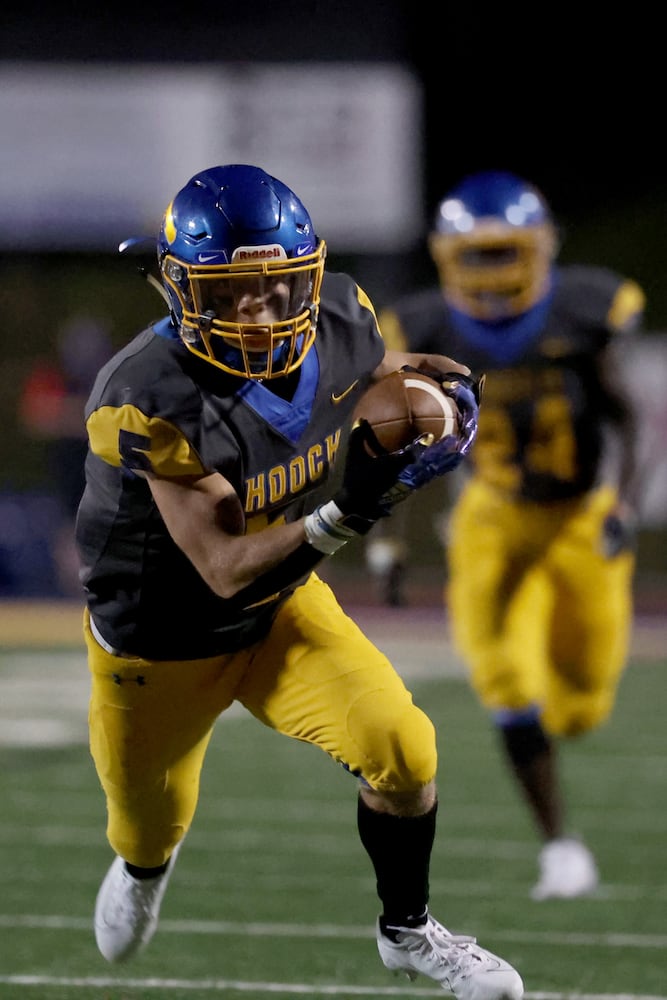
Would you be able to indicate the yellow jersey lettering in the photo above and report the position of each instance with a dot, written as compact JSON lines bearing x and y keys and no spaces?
{"x":277,"y":484}
{"x":315,"y":462}
{"x":332,"y":443}
{"x":297,"y":474}
{"x":255,"y":493}
{"x":284,"y":481}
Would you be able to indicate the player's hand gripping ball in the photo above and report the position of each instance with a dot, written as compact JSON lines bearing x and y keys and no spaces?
{"x":405,"y":406}
{"x":433,"y":420}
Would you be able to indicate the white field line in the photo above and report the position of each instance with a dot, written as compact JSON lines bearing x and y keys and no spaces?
{"x":274,"y":989}
{"x":289,"y":989}
{"x":245,"y":839}
{"x":232,"y":928}
{"x":440,"y":887}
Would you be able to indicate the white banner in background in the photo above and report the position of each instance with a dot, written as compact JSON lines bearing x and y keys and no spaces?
{"x":647,"y":386}
{"x":93,"y":154}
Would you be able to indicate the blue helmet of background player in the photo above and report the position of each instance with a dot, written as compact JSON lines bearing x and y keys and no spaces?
{"x":493,"y":242}
{"x":232,"y":231}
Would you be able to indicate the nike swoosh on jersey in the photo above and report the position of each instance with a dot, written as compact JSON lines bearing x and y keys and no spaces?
{"x":337,"y":398}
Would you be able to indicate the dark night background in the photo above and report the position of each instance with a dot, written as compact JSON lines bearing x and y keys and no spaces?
{"x":572,"y":104}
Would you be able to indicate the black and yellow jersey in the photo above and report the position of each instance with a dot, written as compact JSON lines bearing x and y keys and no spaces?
{"x":545,"y":403}
{"x":157,"y":407}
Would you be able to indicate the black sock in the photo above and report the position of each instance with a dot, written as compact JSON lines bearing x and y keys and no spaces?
{"x":140,"y":873}
{"x":391,"y":928}
{"x":400,"y":849}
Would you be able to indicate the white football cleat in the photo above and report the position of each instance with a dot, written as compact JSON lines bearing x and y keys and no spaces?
{"x":567,"y":870}
{"x":127,"y":910}
{"x":454,"y":961}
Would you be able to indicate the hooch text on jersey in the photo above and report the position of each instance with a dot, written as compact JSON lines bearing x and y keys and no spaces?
{"x":287,"y":479}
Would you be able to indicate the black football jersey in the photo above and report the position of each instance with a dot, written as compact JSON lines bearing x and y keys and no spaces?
{"x":157,"y":407}
{"x":543,"y":410}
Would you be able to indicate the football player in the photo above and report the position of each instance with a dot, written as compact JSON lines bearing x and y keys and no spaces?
{"x":212,"y":437}
{"x":540,"y":538}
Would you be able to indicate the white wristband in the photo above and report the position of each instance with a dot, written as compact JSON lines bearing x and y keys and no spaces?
{"x":324,"y":529}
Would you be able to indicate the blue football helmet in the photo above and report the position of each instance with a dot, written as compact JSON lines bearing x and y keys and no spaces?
{"x":232,"y":240}
{"x":493,"y":242}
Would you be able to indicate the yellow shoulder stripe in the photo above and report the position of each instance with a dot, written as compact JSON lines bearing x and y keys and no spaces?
{"x":365,"y":301}
{"x":628,"y":302}
{"x":123,"y":435}
{"x":392,"y":331}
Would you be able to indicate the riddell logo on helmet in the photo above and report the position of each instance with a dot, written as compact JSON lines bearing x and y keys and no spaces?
{"x":272,"y":251}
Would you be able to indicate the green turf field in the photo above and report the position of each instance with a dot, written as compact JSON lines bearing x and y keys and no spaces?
{"x":273,"y":894}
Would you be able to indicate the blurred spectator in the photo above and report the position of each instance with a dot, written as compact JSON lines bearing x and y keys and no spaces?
{"x":51,"y":408}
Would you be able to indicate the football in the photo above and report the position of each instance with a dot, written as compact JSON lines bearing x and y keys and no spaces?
{"x":405,"y":405}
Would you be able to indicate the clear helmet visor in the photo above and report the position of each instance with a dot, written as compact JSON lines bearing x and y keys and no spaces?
{"x":254,"y":319}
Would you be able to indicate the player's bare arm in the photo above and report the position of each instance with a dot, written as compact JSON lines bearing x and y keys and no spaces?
{"x":205,"y":518}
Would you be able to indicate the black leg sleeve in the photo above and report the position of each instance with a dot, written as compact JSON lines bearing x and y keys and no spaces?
{"x":400,"y":849}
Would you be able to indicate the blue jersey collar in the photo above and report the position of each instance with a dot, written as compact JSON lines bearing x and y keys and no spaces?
{"x":507,"y":339}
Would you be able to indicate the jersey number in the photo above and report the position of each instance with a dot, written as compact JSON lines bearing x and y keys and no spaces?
{"x":549,"y":451}
{"x":132,"y":448}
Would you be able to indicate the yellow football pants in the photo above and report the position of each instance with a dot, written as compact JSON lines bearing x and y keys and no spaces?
{"x":315,"y":677}
{"x":536,"y":611}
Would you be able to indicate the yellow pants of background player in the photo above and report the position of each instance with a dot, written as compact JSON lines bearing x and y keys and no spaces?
{"x":538,"y":614}
{"x":315,"y":677}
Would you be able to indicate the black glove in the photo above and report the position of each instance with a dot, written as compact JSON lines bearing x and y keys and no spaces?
{"x":368,"y":477}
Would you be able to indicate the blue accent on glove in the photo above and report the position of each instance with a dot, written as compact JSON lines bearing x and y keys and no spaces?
{"x":447,"y":453}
